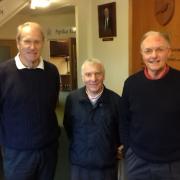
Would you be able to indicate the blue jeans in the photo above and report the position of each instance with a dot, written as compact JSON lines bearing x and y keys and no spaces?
{"x":30,"y":164}
{"x":140,"y":169}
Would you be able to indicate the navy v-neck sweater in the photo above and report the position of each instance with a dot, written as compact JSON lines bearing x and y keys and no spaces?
{"x":152,"y":116}
{"x":28,"y":99}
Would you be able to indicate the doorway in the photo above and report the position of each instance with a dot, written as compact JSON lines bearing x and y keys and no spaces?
{"x":63,"y":55}
{"x":8,"y":49}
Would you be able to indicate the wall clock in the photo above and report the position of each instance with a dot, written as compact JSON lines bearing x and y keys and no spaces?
{"x":164,"y":11}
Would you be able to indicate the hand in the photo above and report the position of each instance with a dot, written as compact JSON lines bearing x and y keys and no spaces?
{"x":120,"y":152}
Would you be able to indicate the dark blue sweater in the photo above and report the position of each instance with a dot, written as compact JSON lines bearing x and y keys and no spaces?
{"x":28,"y":99}
{"x":152,"y":116}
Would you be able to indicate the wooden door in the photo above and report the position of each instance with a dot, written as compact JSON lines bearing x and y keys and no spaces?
{"x":143,"y":19}
{"x":73,"y":62}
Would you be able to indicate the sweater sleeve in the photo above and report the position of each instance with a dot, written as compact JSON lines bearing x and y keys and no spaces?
{"x":125,"y":115}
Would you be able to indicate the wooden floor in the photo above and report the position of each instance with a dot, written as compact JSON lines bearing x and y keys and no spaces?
{"x":62,"y":171}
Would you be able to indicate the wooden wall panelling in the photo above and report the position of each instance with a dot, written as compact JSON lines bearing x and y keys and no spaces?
{"x":143,"y":19}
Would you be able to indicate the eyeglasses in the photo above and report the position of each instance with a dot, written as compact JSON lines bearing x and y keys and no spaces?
{"x":159,"y":50}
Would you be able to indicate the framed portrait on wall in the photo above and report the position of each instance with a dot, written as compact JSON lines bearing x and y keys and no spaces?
{"x":107,"y":20}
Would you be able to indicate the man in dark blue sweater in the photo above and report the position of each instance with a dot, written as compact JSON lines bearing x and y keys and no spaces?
{"x":151,"y":116}
{"x":29,"y":88}
{"x":91,"y":120}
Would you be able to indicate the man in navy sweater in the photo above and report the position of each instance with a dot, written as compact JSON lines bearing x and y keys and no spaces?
{"x":29,"y":88}
{"x":151,"y":116}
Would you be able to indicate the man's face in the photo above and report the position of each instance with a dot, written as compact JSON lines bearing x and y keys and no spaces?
{"x":93,"y":77}
{"x":155,"y":53}
{"x":106,"y":12}
{"x":30,"y":45}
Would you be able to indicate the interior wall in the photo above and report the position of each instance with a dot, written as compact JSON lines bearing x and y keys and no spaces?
{"x":114,"y":54}
{"x":83,"y":34}
{"x":48,"y":22}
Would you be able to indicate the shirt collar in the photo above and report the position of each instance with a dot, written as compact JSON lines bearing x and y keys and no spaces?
{"x":20,"y":65}
{"x":161,"y":75}
{"x":84,"y":97}
{"x":94,"y":98}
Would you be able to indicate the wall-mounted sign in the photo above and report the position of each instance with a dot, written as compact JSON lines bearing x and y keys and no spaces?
{"x":62,"y":32}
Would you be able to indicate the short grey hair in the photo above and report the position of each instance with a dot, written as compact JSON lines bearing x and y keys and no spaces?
{"x":92,"y":61}
{"x":164,"y":35}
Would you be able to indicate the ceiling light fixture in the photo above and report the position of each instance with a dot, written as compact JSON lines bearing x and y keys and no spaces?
{"x":39,"y":4}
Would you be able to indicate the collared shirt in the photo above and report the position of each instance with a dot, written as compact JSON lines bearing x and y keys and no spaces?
{"x":94,"y":99}
{"x":20,"y":65}
{"x":161,"y":75}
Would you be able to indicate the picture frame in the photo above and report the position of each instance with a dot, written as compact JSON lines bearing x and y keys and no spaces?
{"x":107,"y":20}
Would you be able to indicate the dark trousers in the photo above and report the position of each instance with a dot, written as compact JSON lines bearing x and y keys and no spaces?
{"x":80,"y":173}
{"x":140,"y":169}
{"x":31,"y":164}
